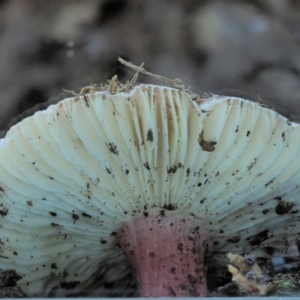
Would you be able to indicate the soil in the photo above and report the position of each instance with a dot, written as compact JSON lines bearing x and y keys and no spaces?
{"x":281,"y":279}
{"x":234,"y":47}
{"x":8,"y":288}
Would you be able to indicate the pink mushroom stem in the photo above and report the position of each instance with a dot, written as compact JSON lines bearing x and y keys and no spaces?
{"x":167,"y":254}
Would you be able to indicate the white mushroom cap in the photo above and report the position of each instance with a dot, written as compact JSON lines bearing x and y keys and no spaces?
{"x":72,"y":174}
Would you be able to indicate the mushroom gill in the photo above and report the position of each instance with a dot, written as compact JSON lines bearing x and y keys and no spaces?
{"x":104,"y":174}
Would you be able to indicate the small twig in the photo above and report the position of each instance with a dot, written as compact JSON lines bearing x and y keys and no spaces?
{"x":176,"y":83}
{"x":134,"y":78}
{"x":72,"y":92}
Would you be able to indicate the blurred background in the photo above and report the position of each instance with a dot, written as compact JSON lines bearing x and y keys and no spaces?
{"x":248,"y":48}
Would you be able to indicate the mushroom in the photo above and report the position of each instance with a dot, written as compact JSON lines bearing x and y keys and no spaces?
{"x":144,"y":178}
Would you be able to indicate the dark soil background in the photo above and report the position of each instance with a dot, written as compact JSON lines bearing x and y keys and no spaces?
{"x":224,"y":47}
{"x":8,"y":288}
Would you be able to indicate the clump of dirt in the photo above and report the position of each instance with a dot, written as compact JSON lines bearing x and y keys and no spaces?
{"x":277,"y":276}
{"x":8,"y":285}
